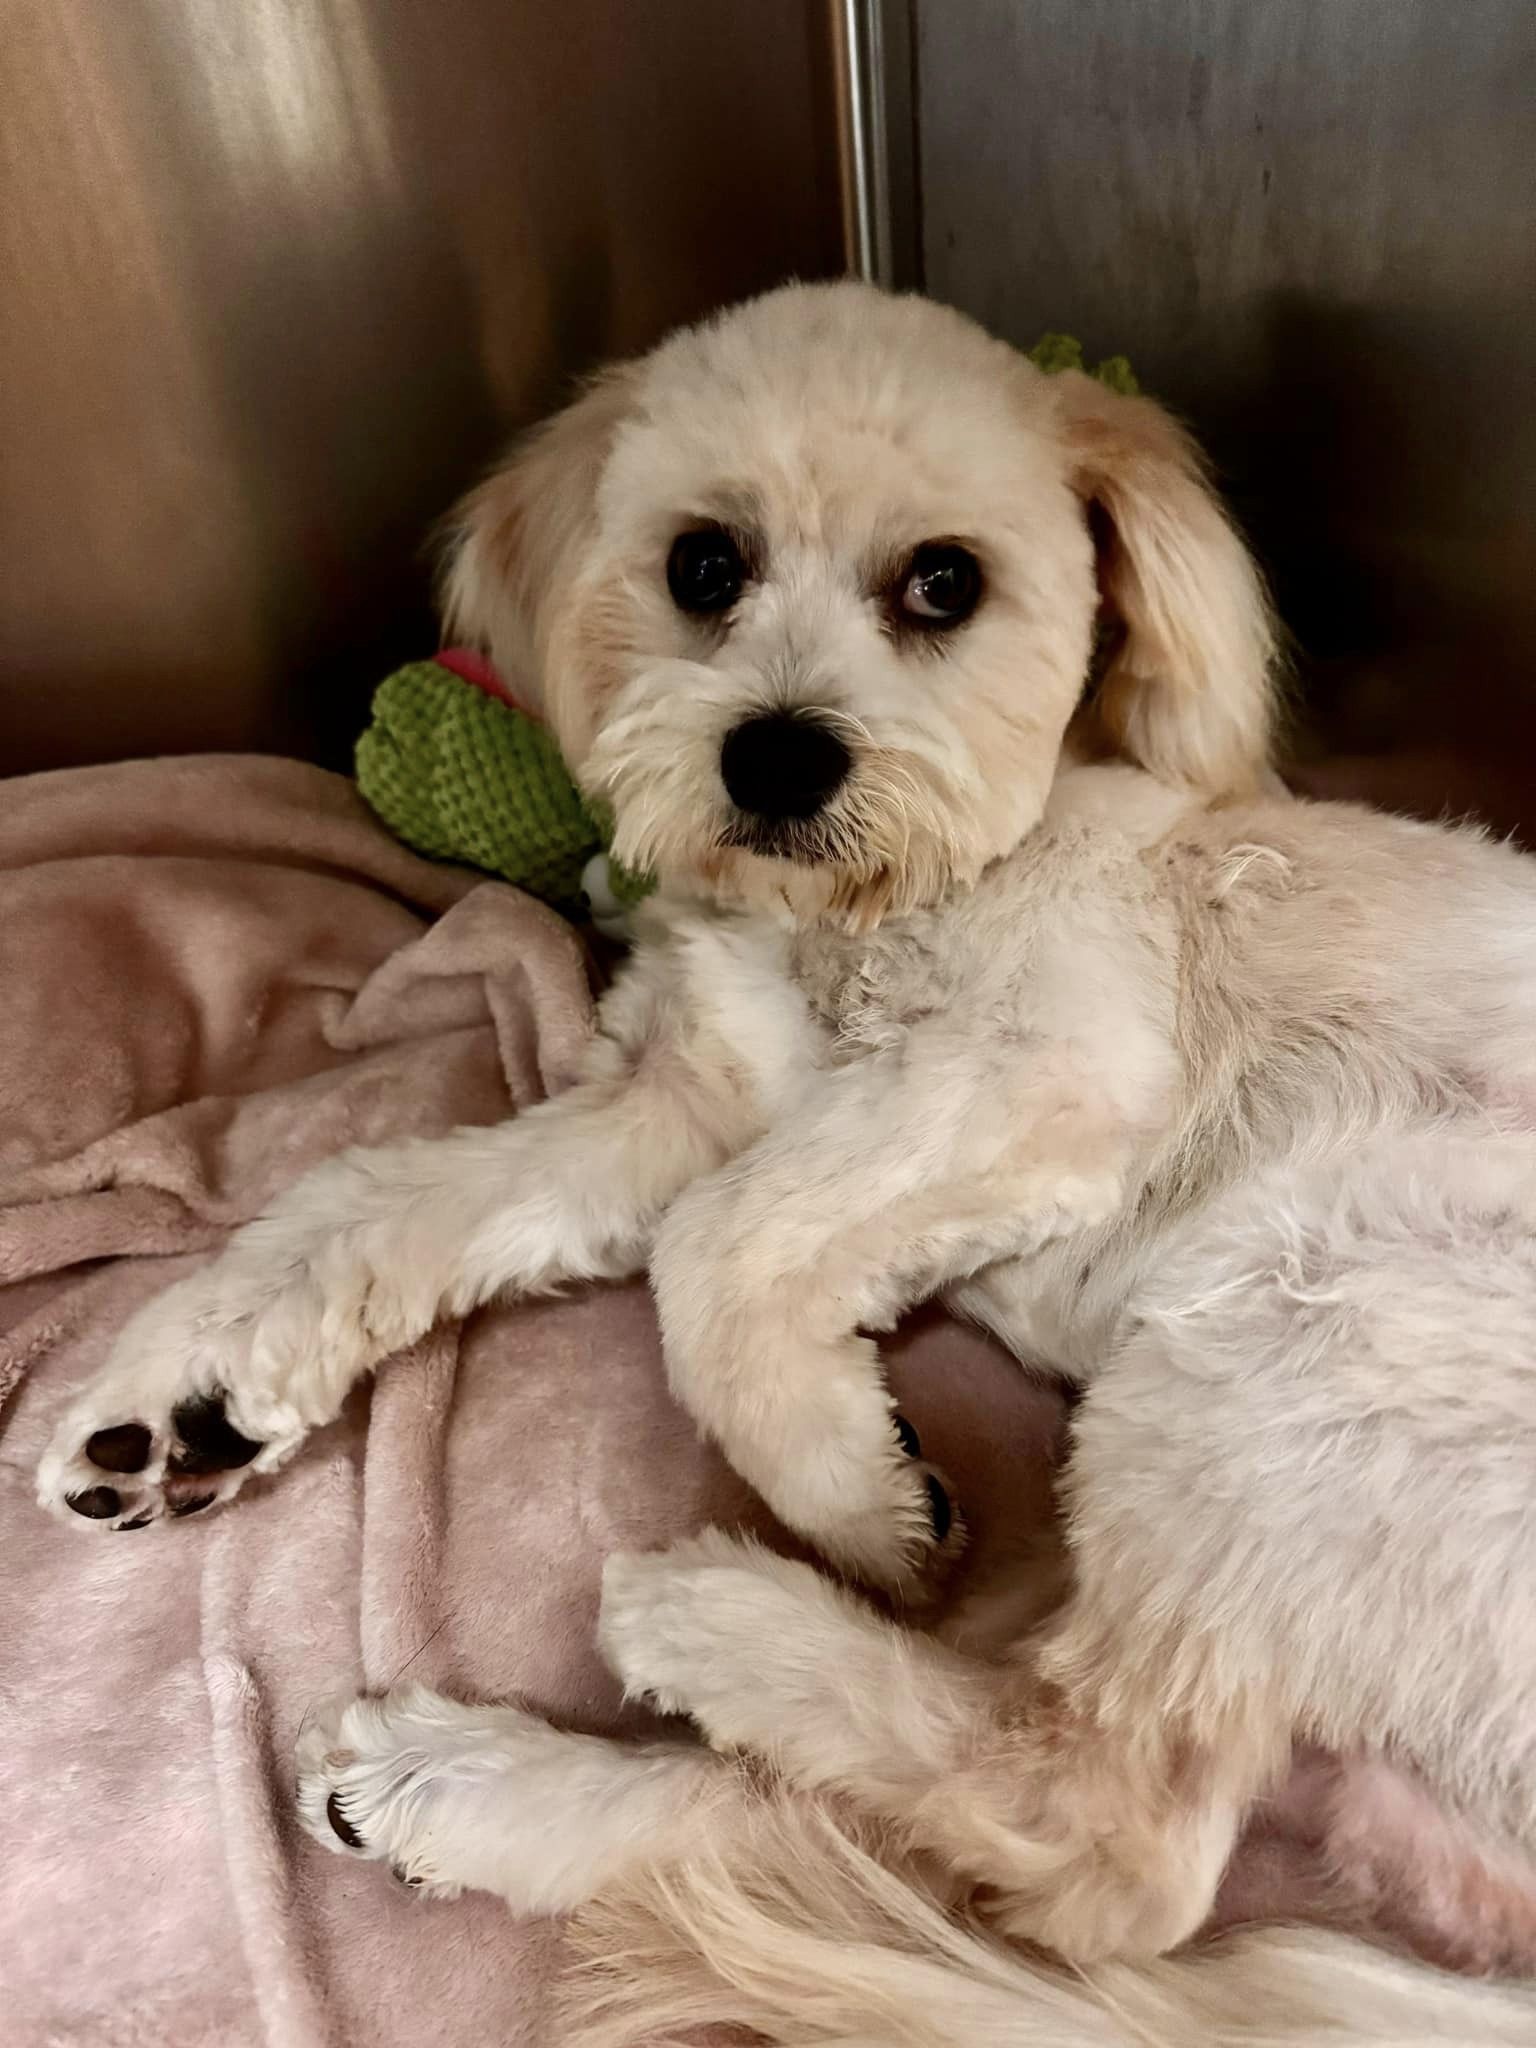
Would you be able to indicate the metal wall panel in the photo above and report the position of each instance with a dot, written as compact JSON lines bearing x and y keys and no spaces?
{"x":1312,"y":225}
{"x":278,"y":275}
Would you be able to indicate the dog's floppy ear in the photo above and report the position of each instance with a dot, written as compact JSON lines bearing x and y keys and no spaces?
{"x":1187,"y":689}
{"x":513,"y":544}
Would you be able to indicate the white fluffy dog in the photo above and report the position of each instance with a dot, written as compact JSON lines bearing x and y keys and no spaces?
{"x":963,"y":978}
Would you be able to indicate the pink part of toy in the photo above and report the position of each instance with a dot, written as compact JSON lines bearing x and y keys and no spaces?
{"x":471,"y":667}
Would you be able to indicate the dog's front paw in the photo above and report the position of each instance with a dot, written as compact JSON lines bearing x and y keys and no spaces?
{"x":891,"y":1522}
{"x":175,"y":1421}
{"x":222,"y":1377}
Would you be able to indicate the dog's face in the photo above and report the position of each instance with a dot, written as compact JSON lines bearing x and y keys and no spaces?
{"x":809,"y":596}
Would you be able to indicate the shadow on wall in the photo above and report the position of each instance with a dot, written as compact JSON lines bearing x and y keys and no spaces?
{"x":1384,"y":461}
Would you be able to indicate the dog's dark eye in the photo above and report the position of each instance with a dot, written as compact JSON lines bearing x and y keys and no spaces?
{"x":942,"y":585}
{"x":705,"y":571}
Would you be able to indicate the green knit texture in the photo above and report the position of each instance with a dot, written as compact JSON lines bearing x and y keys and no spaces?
{"x":1055,"y":352}
{"x":461,"y":776}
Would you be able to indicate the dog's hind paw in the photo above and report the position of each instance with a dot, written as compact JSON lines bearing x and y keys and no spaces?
{"x":367,"y":1781}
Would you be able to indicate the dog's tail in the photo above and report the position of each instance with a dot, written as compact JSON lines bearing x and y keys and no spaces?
{"x":802,"y":1936}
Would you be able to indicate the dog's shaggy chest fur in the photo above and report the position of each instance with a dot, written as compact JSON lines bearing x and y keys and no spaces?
{"x":985,"y":958}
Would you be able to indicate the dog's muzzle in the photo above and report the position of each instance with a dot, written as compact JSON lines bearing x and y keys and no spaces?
{"x":780,"y":767}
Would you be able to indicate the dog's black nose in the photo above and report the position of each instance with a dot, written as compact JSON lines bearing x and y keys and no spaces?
{"x":779,"y":766}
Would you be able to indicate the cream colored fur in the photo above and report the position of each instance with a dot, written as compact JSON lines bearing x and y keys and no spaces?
{"x":1216,"y":1103}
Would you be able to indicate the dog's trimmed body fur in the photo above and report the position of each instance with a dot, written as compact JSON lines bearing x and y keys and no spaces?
{"x":1219,"y":1104}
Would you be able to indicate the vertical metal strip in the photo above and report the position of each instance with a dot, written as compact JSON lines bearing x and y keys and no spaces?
{"x":871,"y":42}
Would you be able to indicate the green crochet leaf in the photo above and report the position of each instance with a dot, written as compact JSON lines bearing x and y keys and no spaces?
{"x":1055,"y":352}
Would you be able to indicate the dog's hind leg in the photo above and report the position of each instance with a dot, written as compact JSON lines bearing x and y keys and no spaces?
{"x":771,"y":1657}
{"x":493,"y":1799}
{"x":1299,"y":1503}
{"x":1073,"y":1837}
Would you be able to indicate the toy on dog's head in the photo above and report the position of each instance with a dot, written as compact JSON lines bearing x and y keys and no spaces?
{"x":808,"y":597}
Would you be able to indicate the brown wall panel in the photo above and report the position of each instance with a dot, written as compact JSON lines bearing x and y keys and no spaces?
{"x":278,"y":277}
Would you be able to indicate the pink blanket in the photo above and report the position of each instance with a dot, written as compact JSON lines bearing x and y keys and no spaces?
{"x":213,"y":972}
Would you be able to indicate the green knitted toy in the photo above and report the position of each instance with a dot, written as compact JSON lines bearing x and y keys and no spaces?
{"x":459,"y":771}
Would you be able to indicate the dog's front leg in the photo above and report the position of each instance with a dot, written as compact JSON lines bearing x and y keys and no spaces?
{"x":903,"y":1174}
{"x":225,"y":1373}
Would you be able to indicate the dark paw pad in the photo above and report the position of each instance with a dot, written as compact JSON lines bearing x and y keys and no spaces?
{"x":939,"y":1509}
{"x":907,"y":1437}
{"x":138,"y":1522}
{"x":123,"y":1449}
{"x":340,"y":1825}
{"x":209,"y":1441}
{"x":97,"y":1503}
{"x":195,"y":1505}
{"x":402,"y":1876}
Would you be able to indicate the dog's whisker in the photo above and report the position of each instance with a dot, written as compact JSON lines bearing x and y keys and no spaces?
{"x":392,"y":1682}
